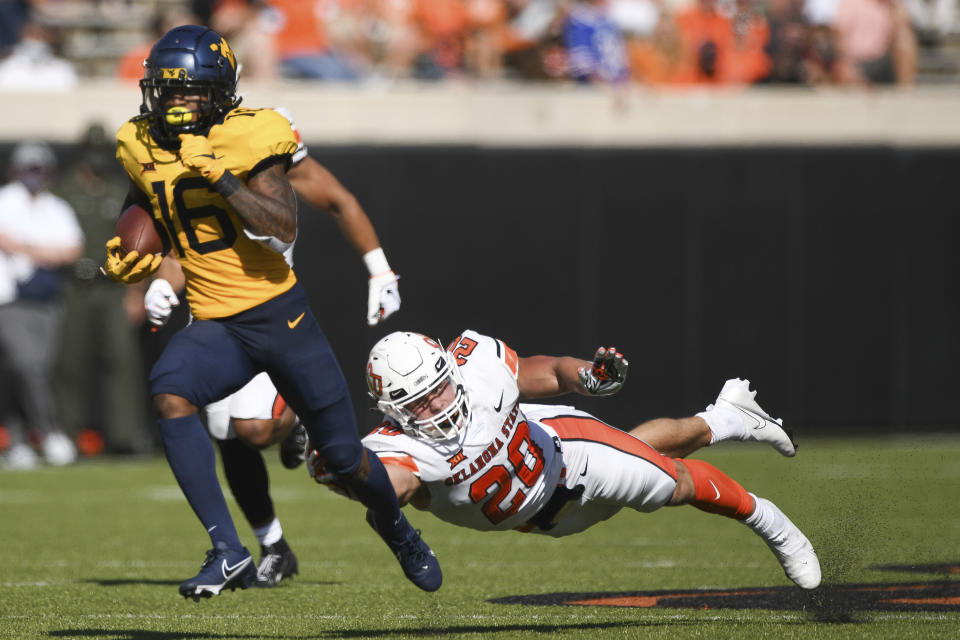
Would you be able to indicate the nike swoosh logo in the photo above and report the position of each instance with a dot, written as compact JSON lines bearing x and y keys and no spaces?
{"x":499,"y":404}
{"x":761,"y":423}
{"x":585,"y":465}
{"x":293,"y":323}
{"x":228,"y":570}
{"x":717,"y":497}
{"x":210,"y":155}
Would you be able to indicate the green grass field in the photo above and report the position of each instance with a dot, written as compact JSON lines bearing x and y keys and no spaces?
{"x":97,"y":551}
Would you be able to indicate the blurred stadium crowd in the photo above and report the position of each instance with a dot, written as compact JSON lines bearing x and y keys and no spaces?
{"x":652,"y":42}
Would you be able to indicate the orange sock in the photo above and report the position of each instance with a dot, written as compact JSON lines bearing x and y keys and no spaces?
{"x":716,"y":492}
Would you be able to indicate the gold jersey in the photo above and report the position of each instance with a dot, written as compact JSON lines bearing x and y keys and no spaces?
{"x":226,"y":272}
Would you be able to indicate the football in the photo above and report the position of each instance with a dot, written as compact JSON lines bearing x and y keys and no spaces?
{"x":139,"y":232}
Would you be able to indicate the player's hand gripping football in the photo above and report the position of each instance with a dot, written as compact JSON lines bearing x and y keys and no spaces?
{"x":316,"y":466}
{"x":197,"y":153}
{"x":159,"y":302}
{"x":383,"y":299}
{"x":606,"y":375}
{"x":130,"y":267}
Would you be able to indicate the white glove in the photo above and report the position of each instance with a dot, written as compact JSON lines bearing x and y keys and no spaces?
{"x":383,"y":299}
{"x":607,"y":373}
{"x":159,"y":302}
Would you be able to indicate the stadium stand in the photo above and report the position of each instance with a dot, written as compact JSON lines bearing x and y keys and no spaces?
{"x":401,"y":37}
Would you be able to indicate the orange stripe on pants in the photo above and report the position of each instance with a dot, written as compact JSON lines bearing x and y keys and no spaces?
{"x":592,"y":430}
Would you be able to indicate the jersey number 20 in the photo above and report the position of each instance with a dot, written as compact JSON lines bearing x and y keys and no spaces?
{"x":498,"y":478}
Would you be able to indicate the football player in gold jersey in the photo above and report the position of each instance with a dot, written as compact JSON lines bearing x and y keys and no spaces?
{"x":214,"y":176}
{"x":254,"y":417}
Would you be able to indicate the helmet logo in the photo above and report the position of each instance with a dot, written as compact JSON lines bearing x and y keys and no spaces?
{"x":225,"y":51}
{"x":374,"y":382}
{"x":178,"y":73}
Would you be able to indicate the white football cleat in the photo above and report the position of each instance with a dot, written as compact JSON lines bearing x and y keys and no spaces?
{"x":761,"y":427}
{"x":58,"y":449}
{"x":792,"y":548}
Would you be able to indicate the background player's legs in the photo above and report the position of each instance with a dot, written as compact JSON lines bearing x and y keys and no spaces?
{"x":243,"y":423}
{"x":256,"y":414}
{"x":707,"y":488}
{"x":247,"y":477}
{"x":262,"y":432}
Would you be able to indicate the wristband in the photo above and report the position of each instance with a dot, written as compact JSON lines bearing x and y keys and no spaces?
{"x":376,"y":261}
{"x":227,"y":184}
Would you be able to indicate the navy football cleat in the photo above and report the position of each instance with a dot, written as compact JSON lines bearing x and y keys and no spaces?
{"x":276,"y":563}
{"x":222,"y":569}
{"x":417,"y":560}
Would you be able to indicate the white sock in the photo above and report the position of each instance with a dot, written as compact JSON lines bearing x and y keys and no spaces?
{"x":761,"y":514}
{"x":768,"y":522}
{"x":725,"y":423}
{"x":269,"y":534}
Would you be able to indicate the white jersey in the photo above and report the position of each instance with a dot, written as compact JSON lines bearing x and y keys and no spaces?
{"x":499,"y":471}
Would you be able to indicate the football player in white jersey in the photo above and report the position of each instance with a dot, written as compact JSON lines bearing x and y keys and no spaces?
{"x":256,"y":416}
{"x":458,"y":442}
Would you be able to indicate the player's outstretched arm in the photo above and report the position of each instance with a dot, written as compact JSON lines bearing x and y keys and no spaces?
{"x":544,"y":376}
{"x":408,"y":487}
{"x":266,"y":203}
{"x":318,"y":187}
{"x":315,"y":184}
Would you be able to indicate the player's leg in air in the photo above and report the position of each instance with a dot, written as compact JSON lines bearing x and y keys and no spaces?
{"x":705,"y":487}
{"x":242,"y":424}
{"x":607,"y":469}
{"x":735,"y":415}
